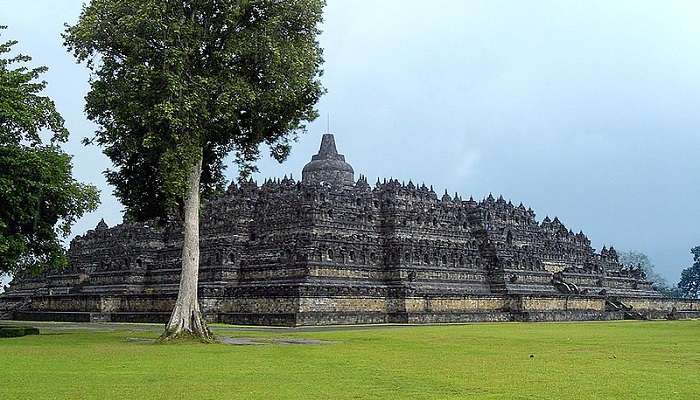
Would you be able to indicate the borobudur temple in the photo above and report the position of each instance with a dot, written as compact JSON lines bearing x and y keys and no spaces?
{"x":330,"y":249}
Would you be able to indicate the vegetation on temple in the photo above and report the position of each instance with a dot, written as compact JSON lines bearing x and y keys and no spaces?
{"x":177,"y":86}
{"x":689,"y":284}
{"x":39,"y":198}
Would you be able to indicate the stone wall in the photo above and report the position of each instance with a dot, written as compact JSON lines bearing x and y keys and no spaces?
{"x":293,"y":311}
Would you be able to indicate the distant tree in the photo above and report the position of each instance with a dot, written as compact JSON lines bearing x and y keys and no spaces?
{"x":39,"y":198}
{"x":689,"y":284}
{"x":176,"y":86}
{"x":635,"y":258}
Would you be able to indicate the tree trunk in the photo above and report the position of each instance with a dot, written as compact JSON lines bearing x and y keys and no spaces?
{"x":186,"y":320}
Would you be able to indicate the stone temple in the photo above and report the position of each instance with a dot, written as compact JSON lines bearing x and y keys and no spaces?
{"x":334,"y":250}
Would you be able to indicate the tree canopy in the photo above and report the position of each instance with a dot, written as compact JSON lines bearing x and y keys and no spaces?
{"x":174,"y":81}
{"x":689,"y":284}
{"x":39,"y":198}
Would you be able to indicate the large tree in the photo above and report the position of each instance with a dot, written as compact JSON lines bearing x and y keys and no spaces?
{"x":177,"y":85}
{"x":39,"y":198}
{"x":689,"y":284}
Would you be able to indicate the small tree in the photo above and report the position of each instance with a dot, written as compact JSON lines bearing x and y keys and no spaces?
{"x":177,"y":86}
{"x":39,"y":199}
{"x":689,"y":284}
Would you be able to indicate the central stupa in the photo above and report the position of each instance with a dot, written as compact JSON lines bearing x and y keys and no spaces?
{"x":328,"y":165}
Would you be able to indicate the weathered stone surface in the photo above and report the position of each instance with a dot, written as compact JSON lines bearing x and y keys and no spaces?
{"x":332,"y":250}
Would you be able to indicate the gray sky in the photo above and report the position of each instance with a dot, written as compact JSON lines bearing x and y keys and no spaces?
{"x":583,"y":110}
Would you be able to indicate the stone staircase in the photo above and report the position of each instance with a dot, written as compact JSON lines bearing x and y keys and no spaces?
{"x":614,"y":304}
{"x":564,"y":287}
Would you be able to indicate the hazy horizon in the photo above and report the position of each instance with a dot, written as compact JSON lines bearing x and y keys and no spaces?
{"x":585,"y":111}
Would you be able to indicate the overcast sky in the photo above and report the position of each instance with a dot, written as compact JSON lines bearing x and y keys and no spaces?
{"x":583,"y":110}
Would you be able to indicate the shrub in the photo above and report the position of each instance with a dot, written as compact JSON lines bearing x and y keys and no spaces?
{"x":17,"y":331}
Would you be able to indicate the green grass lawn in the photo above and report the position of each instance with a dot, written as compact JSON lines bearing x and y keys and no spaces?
{"x":611,"y":360}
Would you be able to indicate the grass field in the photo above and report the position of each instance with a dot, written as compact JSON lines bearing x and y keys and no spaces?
{"x":611,"y":360}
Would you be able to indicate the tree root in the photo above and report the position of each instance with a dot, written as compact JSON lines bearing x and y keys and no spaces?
{"x":184,"y":327}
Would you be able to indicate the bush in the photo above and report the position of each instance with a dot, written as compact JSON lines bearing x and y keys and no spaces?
{"x":17,"y":331}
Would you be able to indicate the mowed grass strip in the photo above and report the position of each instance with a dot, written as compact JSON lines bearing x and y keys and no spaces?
{"x":598,"y":360}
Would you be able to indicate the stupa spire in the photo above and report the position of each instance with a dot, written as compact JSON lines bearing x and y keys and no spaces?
{"x":328,"y":146}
